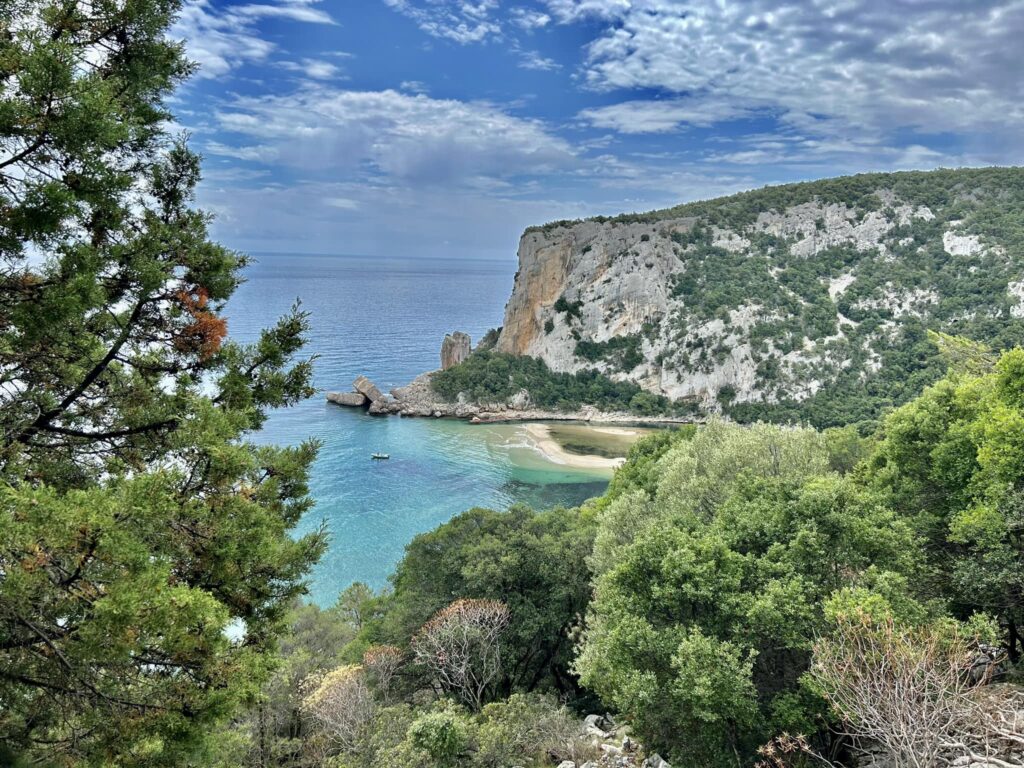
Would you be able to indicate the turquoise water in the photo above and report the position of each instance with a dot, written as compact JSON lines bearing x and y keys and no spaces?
{"x":385,"y":318}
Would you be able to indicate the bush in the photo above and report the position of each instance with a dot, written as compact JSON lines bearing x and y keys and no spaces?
{"x":528,"y":730}
{"x":443,"y":734}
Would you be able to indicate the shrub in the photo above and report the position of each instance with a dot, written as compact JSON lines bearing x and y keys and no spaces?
{"x":443,"y":734}
{"x":461,"y":647}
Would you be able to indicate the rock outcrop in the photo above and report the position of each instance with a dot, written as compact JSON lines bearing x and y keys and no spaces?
{"x":454,"y":349}
{"x":775,"y":295}
{"x":350,"y":399}
{"x":367,"y":388}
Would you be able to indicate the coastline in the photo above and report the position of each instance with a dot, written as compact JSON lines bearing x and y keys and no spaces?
{"x":542,"y":441}
{"x":418,"y":399}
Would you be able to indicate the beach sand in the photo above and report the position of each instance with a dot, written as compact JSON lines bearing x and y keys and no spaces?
{"x":541,"y":440}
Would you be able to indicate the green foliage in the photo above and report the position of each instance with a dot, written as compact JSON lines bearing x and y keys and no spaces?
{"x":532,"y":561}
{"x":622,"y":353}
{"x":137,"y":523}
{"x":487,"y":377}
{"x":527,"y":729}
{"x":711,"y":580}
{"x":952,"y":462}
{"x":866,"y":346}
{"x":441,"y":733}
{"x":489,"y":340}
{"x":570,"y":308}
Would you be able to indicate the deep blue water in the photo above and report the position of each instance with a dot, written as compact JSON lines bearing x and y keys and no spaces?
{"x":386,"y":318}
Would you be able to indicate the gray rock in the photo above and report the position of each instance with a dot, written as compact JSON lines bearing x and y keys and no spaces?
{"x":366,"y":387}
{"x":350,"y":399}
{"x":384,"y":405}
{"x":520,"y":400}
{"x":567,"y":764}
{"x":598,"y":721}
{"x":656,"y":761}
{"x":454,"y":349}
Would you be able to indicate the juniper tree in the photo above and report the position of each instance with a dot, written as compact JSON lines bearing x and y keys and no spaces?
{"x":136,"y":520}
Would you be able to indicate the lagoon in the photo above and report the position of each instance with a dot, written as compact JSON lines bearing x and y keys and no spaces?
{"x":386,"y":318}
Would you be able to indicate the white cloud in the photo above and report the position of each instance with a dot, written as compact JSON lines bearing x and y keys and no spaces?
{"x":220,"y":40}
{"x":414,"y":138}
{"x":537,"y":61}
{"x":529,"y":19}
{"x":648,"y":116}
{"x":461,"y":21}
{"x":344,"y":203}
{"x":940,"y":66}
{"x":314,"y":69}
{"x":296,"y":11}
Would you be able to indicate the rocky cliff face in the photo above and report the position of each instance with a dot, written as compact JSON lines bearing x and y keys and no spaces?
{"x":776,"y":295}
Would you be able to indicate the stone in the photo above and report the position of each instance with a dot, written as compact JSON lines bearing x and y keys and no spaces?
{"x":349,"y":399}
{"x":567,"y":764}
{"x":628,"y":745}
{"x":598,"y":721}
{"x":384,"y":406}
{"x":454,"y":349}
{"x":520,"y":400}
{"x":366,"y":387}
{"x":655,"y":761}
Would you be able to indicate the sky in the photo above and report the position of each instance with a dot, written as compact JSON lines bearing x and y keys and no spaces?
{"x":445,"y":127}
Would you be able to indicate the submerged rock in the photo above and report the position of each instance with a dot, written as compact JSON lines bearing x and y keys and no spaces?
{"x":454,"y":349}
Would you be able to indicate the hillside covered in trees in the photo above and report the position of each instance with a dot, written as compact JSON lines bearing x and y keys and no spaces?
{"x":807,"y":302}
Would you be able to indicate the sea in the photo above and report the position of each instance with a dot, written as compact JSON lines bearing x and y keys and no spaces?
{"x":385,"y":318}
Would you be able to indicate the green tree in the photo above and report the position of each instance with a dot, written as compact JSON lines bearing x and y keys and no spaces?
{"x":704,"y":615}
{"x":535,"y":562}
{"x":136,"y":522}
{"x":953,"y":462}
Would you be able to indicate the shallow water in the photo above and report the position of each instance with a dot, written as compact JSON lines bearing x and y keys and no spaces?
{"x":386,"y":318}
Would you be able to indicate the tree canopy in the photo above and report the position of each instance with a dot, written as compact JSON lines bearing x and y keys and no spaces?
{"x":136,"y":522}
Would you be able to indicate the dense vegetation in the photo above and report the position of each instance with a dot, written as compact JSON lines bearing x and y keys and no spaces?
{"x":496,"y":377}
{"x":136,"y":522}
{"x":705,"y":598}
{"x":933,"y":188}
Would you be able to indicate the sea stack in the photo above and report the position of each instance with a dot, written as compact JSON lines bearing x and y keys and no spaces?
{"x":454,"y":349}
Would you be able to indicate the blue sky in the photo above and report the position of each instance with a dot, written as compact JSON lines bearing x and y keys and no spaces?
{"x":444,"y":127}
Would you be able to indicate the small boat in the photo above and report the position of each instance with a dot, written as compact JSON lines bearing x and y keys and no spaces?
{"x":380,"y":455}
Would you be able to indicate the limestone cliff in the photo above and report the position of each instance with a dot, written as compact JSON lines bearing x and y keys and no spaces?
{"x":780,"y":294}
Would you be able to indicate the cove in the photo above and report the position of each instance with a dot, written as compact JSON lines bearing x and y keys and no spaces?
{"x":386,"y":318}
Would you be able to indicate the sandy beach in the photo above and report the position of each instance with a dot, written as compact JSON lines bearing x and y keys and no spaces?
{"x":539,"y":436}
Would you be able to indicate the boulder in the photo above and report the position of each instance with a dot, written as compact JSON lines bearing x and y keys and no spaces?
{"x":366,"y":387}
{"x":520,"y":401}
{"x":567,"y":764}
{"x":454,"y":349}
{"x":383,"y":406}
{"x":656,"y":761}
{"x":350,"y":399}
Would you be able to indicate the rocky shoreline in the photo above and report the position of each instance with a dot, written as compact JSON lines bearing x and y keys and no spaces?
{"x":418,"y":399}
